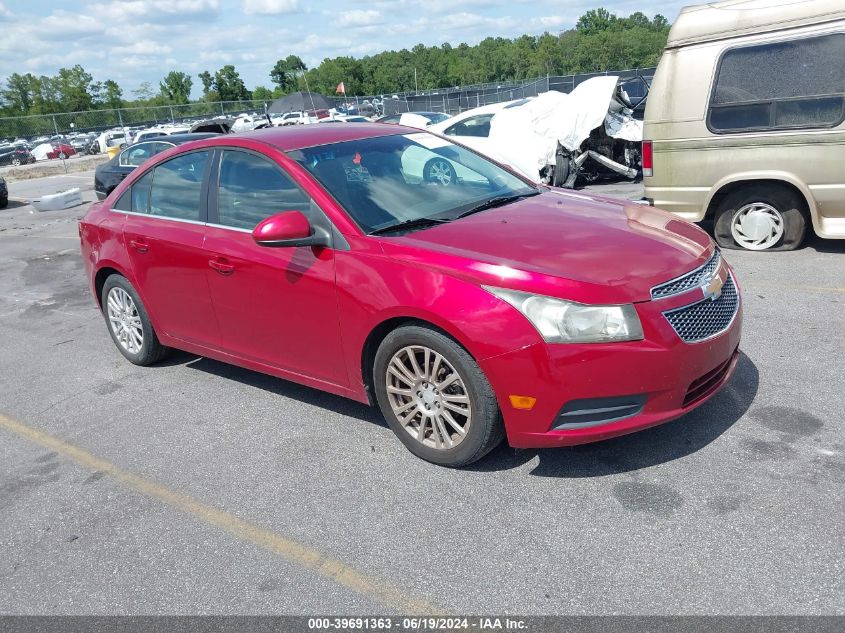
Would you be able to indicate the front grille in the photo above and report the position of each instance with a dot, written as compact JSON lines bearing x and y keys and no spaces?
{"x":694,"y":278}
{"x":706,"y":318}
{"x":706,"y":384}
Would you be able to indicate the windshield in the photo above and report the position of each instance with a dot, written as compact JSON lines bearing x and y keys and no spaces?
{"x":391,"y":180}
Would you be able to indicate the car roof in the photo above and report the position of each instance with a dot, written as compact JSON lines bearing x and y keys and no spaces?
{"x":178,"y":139}
{"x":302,"y":136}
{"x":734,"y":18}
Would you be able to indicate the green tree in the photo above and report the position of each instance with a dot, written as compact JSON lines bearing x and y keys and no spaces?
{"x":229,"y":85}
{"x":595,"y":21}
{"x":260,"y":93}
{"x":207,"y":81}
{"x":176,"y":87}
{"x":144,"y":92}
{"x":285,"y":74}
{"x":73,"y":86}
{"x":18,"y":94}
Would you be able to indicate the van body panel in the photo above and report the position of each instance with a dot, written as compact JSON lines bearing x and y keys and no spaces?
{"x":691,"y":163}
{"x":734,"y":18}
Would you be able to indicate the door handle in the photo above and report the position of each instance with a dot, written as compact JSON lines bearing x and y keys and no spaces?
{"x":221,"y":265}
{"x":139,"y":245}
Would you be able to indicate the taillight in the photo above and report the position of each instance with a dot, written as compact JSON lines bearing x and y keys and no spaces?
{"x":648,"y":159}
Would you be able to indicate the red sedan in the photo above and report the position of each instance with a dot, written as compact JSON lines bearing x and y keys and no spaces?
{"x":62,"y":150}
{"x":468,"y":309}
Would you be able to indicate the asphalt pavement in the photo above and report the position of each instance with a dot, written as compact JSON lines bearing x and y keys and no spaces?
{"x":197,"y":487}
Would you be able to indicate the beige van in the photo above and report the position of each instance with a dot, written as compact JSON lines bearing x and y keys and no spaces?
{"x":744,"y":121}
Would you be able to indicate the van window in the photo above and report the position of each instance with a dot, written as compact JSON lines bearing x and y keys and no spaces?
{"x":800,"y":83}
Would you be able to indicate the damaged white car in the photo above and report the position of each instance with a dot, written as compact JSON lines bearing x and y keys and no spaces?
{"x":557,"y":138}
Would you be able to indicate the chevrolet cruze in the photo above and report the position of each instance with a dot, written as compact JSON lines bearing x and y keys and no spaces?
{"x":469,"y":308}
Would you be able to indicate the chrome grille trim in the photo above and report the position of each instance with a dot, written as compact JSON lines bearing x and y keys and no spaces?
{"x":690,"y":280}
{"x":707,"y":318}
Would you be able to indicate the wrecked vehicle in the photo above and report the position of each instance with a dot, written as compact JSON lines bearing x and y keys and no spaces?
{"x":558,"y":138}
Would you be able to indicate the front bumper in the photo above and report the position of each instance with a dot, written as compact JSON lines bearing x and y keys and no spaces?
{"x":634,"y":385}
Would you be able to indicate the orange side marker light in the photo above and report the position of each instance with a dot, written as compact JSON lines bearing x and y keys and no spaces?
{"x":523,"y":402}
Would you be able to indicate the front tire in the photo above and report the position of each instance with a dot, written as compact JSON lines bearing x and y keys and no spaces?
{"x":129,"y":324}
{"x":435,"y":397}
{"x":761,"y":218}
{"x":440,"y":171}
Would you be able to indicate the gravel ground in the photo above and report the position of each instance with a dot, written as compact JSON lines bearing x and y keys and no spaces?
{"x":197,"y":487}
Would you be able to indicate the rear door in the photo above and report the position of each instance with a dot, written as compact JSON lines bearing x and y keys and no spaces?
{"x":277,"y":306}
{"x":164,"y":233}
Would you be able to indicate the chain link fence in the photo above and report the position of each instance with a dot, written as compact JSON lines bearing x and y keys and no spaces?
{"x":455,"y":100}
{"x":447,"y":100}
{"x":99,"y":120}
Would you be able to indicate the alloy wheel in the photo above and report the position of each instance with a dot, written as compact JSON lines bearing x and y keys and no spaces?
{"x":757,"y":226}
{"x":428,"y":397}
{"x":441,"y":172}
{"x":124,"y":320}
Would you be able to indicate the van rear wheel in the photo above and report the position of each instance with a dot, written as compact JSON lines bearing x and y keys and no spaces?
{"x":761,"y":218}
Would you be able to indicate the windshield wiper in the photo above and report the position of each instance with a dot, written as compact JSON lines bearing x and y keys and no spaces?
{"x":492,"y":203}
{"x":416,"y":223}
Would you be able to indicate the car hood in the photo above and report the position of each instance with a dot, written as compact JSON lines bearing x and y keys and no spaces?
{"x":582,"y":248}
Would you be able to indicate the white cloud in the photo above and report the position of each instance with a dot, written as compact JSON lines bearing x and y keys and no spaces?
{"x":270,"y":7}
{"x":144,"y":47}
{"x":5,"y":14}
{"x":358,"y":18}
{"x":128,"y":11}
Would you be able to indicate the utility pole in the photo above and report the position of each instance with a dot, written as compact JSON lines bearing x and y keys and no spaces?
{"x":416,"y":87}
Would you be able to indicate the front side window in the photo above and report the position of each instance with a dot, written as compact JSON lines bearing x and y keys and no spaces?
{"x":473,"y":126}
{"x":177,"y":187}
{"x":782,"y":85}
{"x":387,"y":180}
{"x":252,"y":189}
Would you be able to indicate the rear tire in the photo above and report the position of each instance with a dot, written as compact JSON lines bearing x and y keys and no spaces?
{"x":129,"y":324}
{"x":441,"y":391}
{"x":761,"y":218}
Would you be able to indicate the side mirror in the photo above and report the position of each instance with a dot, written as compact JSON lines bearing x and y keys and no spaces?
{"x":289,"y":228}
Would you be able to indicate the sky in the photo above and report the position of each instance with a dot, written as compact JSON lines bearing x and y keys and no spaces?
{"x":133,"y":41}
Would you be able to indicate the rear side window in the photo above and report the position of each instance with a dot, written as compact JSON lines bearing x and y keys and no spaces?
{"x":252,"y":188}
{"x":782,"y":85}
{"x":137,"y":197}
{"x":176,"y":190}
{"x":141,"y":193}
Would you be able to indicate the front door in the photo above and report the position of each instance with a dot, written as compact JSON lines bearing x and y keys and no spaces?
{"x":277,"y":306}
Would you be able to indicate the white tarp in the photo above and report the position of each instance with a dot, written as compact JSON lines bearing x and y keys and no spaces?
{"x":622,"y":126}
{"x":530,"y":133}
{"x":40,"y":151}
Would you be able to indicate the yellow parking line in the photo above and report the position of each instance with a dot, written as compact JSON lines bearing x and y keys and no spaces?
{"x":286,"y":548}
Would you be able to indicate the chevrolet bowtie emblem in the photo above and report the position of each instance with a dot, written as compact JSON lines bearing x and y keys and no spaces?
{"x":713,"y":288}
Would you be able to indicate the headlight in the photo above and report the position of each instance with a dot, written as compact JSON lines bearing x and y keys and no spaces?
{"x":560,"y":321}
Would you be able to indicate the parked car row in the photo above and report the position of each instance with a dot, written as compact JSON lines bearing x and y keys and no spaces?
{"x":15,"y":155}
